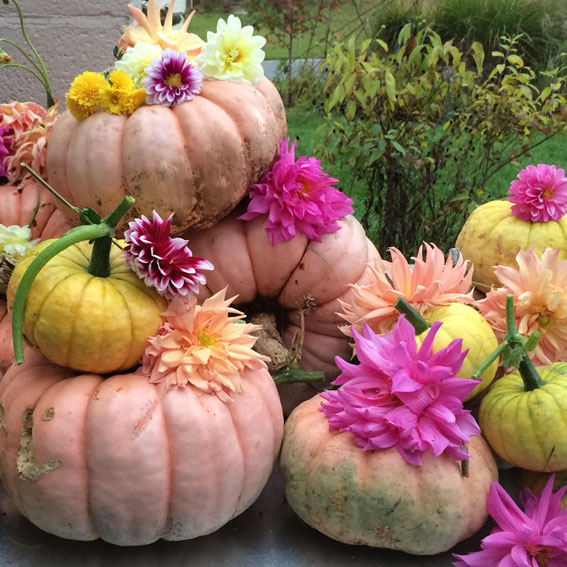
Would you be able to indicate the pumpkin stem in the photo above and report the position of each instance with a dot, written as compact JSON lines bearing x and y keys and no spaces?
{"x":101,"y":233}
{"x":514,"y":350}
{"x":418,"y":322}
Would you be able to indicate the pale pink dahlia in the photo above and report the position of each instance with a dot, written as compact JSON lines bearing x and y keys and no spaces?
{"x":204,"y":346}
{"x":430,"y":282}
{"x":539,"y":287}
{"x":540,"y":194}
{"x":402,"y":397}
{"x":172,"y":79}
{"x":5,"y":150}
{"x":535,"y":537}
{"x":297,"y":196}
{"x":163,"y":262}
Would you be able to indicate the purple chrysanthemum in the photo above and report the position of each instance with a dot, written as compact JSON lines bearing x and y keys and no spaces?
{"x":297,"y":196}
{"x":172,"y":79}
{"x":535,"y":537}
{"x":163,"y":262}
{"x":5,"y":149}
{"x":540,"y":194}
{"x":402,"y":397}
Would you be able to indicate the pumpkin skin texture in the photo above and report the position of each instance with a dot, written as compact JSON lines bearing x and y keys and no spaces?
{"x":17,"y":203}
{"x":492,"y":236}
{"x":464,"y":321}
{"x":376,"y":498}
{"x":196,"y":160}
{"x":6,"y":348}
{"x":84,"y":322}
{"x":128,"y":461}
{"x":245,"y":260}
{"x":527,"y":428}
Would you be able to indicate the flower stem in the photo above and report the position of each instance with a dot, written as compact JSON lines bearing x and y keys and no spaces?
{"x":420,"y":325}
{"x":293,"y":373}
{"x":491,"y":358}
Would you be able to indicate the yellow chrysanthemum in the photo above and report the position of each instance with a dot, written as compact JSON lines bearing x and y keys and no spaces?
{"x":114,"y":100}
{"x":121,"y":80}
{"x":78,"y":110}
{"x":86,"y":87}
{"x":136,"y":99}
{"x":202,"y":345}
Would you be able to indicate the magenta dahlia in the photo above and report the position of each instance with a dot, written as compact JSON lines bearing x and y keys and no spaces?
{"x":297,"y":196}
{"x":539,"y":194}
{"x":172,"y":79}
{"x":163,"y":262}
{"x":403,"y":397}
{"x":5,"y":149}
{"x":534,"y":537}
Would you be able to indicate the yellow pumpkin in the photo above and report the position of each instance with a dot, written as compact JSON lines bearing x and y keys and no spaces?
{"x":493,"y":236}
{"x":85,"y":322}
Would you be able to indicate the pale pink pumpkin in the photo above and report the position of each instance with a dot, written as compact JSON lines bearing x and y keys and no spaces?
{"x":130,"y":462}
{"x":287,"y":274}
{"x":196,"y":160}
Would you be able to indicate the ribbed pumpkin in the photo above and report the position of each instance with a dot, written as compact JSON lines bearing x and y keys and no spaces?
{"x":527,"y":427}
{"x":287,"y":273}
{"x":85,"y":322}
{"x":375,"y":497}
{"x":17,"y":203}
{"x":130,"y":462}
{"x":493,"y":236}
{"x":197,"y":159}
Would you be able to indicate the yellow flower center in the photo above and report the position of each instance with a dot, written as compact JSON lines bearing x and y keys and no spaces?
{"x":205,"y":339}
{"x":174,"y":80}
{"x":234,"y":55}
{"x":542,"y":558}
{"x":543,"y":321}
{"x":305,"y":189}
{"x":547,"y":193}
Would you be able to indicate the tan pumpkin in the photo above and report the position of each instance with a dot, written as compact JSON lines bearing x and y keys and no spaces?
{"x":288,"y":274}
{"x":197,"y":159}
{"x":85,"y":457}
{"x":376,"y":498}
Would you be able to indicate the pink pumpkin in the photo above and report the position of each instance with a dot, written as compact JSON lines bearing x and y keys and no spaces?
{"x":197,"y":159}
{"x":84,"y":457}
{"x":286,"y":274}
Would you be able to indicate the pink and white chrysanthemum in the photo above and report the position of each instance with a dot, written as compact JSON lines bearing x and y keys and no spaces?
{"x":430,"y":282}
{"x":539,"y":287}
{"x":297,"y":196}
{"x":539,"y":194}
{"x":205,"y":345}
{"x":163,"y":262}
{"x":403,"y":397}
{"x":172,"y":79}
{"x":535,"y":537}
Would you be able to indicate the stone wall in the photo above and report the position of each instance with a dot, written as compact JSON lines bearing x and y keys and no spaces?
{"x":72,"y":36}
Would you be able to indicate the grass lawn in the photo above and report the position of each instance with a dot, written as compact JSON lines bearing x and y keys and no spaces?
{"x":345,"y":23}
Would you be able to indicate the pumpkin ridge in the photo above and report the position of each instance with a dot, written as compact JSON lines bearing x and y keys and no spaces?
{"x":241,"y":447}
{"x":562,"y":414}
{"x":128,"y":310}
{"x":294,"y":269}
{"x":540,"y":441}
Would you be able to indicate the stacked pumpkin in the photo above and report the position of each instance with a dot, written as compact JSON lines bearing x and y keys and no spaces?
{"x":169,"y":130}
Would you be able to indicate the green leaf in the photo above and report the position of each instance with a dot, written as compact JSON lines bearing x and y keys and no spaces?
{"x":350,"y":109}
{"x":405,"y":34}
{"x":382,"y":44}
{"x":337,"y":96}
{"x":512,"y":356}
{"x":390,"y":86}
{"x":478,"y":56}
{"x":516,"y":60}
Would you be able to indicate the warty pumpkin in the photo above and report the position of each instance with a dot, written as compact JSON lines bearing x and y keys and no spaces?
{"x":196,"y":160}
{"x":376,"y":498}
{"x":84,"y":457}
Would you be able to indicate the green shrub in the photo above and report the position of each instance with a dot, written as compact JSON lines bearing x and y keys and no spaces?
{"x":425,"y":131}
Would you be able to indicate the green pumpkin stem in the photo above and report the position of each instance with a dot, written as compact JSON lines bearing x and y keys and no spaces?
{"x":514,"y":349}
{"x":292,"y":373}
{"x":99,"y":265}
{"x":418,"y":322}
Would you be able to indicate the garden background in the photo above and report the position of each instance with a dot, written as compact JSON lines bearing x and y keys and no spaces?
{"x":423,"y":110}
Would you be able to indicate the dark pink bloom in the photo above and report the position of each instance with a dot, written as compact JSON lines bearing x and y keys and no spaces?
{"x":535,"y":537}
{"x":172,"y":79}
{"x":297,"y":196}
{"x":540,"y":194}
{"x":163,"y":262}
{"x":403,"y":397}
{"x":5,"y":149}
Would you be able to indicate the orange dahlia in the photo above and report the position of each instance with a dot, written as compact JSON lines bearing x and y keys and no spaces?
{"x":430,"y":282}
{"x":539,"y":287}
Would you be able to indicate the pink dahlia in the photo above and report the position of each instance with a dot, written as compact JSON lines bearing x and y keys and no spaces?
{"x":161,"y":261}
{"x":540,"y":194}
{"x":297,"y":196}
{"x":535,"y":537}
{"x":172,"y":79}
{"x":402,"y":397}
{"x":5,"y":150}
